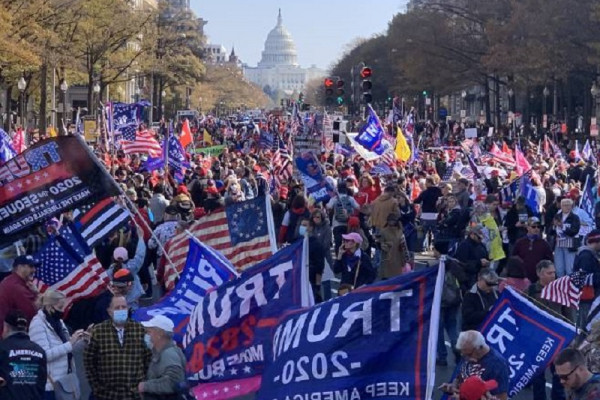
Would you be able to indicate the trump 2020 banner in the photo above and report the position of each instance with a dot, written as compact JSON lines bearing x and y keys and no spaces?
{"x":378,"y":341}
{"x":227,"y":343}
{"x":204,"y":270}
{"x":53,"y":176}
{"x":526,"y":336}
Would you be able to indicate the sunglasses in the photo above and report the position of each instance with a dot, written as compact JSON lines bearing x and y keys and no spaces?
{"x":536,"y":226}
{"x":566,"y":377}
{"x":491,"y":283}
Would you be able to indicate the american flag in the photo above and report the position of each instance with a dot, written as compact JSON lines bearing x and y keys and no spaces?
{"x":566,"y":290}
{"x":6,"y":148}
{"x":282,"y":160}
{"x":100,"y":220}
{"x":144,"y":142}
{"x":243,"y":232}
{"x":69,"y":266}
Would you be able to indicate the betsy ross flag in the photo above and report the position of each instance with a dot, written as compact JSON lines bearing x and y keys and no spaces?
{"x":144,"y":142}
{"x":68,"y":265}
{"x":243,"y":232}
{"x":98,"y":221}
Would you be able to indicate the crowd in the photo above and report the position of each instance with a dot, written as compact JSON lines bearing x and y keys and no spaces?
{"x":370,"y":229}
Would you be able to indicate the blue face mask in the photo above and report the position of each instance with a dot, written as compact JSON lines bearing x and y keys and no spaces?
{"x":120,"y":316}
{"x":302,"y":230}
{"x":148,"y":341}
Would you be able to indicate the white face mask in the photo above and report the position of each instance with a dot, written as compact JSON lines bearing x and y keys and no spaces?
{"x":302,"y":230}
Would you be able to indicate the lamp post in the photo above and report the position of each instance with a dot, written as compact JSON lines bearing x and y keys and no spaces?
{"x":163,"y":94}
{"x":463,"y":111}
{"x":595,"y":94}
{"x":546,"y":93}
{"x":64,"y":87}
{"x":96,"y":90}
{"x":21,"y":84}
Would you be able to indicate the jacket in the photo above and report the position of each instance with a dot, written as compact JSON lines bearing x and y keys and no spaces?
{"x":157,"y":205}
{"x":57,"y":352}
{"x":114,"y":371}
{"x":165,"y":374}
{"x":513,"y":216}
{"x":347,"y":265}
{"x":15,"y":294}
{"x":470,"y":253}
{"x":28,"y":357}
{"x":134,"y":265}
{"x":475,"y":307}
{"x":383,"y":206}
{"x":288,"y":232}
{"x":532,"y":250}
{"x":429,"y":198}
{"x":394,"y":252}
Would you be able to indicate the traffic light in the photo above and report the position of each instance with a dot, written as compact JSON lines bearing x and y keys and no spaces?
{"x":425,"y":93}
{"x":367,"y":85}
{"x":340,"y":92}
{"x":329,"y":83}
{"x":301,"y":97}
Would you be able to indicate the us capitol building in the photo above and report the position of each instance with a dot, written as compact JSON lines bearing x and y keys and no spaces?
{"x":278,"y":69}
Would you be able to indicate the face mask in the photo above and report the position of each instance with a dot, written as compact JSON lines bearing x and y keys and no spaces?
{"x":120,"y":316}
{"x":57,"y":314}
{"x":148,"y":341}
{"x":302,"y":230}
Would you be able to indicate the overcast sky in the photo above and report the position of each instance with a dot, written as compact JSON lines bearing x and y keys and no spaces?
{"x":321,"y":29}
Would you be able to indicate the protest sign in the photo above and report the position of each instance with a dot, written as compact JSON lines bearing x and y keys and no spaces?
{"x":211,"y":151}
{"x":378,"y":341}
{"x":227,"y":342}
{"x":53,"y":176}
{"x":204,"y":269}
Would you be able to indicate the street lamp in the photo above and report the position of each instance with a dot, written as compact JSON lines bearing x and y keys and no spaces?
{"x":21,"y":84}
{"x":64,"y":87}
{"x":546,"y":93}
{"x":163,"y":94}
{"x":463,"y":112}
{"x":96,"y":90}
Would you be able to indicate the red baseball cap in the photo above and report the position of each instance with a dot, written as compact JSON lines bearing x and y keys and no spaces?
{"x":473,"y":388}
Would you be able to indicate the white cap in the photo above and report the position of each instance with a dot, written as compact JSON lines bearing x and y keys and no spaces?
{"x":160,"y":322}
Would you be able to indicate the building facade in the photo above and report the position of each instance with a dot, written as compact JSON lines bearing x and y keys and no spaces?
{"x":278,"y":69}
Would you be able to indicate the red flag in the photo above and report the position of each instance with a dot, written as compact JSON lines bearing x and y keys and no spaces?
{"x":522,"y":163}
{"x":506,"y":149}
{"x":186,"y":134}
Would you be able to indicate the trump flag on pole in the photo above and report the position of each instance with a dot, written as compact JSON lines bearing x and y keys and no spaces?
{"x":204,"y":269}
{"x":378,"y":341}
{"x":227,"y":343}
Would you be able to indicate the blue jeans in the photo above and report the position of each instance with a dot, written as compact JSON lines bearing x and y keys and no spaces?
{"x":563,"y":261}
{"x":326,"y":287}
{"x":539,"y":386}
{"x":449,"y":324}
{"x":49,"y":395}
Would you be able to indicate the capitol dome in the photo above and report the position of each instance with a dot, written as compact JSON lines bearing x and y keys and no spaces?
{"x":279,"y":47}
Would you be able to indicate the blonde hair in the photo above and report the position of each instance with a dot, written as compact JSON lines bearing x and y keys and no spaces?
{"x":50,"y":298}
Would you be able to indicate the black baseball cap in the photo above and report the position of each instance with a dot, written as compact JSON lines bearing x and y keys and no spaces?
{"x":25,"y":260}
{"x":17,"y":320}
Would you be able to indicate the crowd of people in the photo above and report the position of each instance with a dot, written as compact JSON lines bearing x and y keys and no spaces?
{"x":371,"y":228}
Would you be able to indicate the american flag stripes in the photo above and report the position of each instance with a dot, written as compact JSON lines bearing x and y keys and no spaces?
{"x":562,"y":291}
{"x":144,"y":142}
{"x":243,"y":232}
{"x":101,"y":220}
{"x":282,"y":160}
{"x":68,"y":265}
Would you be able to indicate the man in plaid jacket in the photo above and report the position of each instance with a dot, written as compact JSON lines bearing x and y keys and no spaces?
{"x":116,"y":360}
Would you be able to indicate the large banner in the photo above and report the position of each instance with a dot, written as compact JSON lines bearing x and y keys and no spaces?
{"x":379,"y":341}
{"x":312,"y":175}
{"x":53,"y":176}
{"x":204,"y":270}
{"x":227,"y":343}
{"x":525,"y":335}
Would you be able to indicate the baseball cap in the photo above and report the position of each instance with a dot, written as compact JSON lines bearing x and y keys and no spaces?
{"x":593,"y":236}
{"x":121,"y":252}
{"x":476,"y":229}
{"x":122,"y":277}
{"x":473,"y":388}
{"x":16,"y":319}
{"x":533,"y":221}
{"x":353,"y":236}
{"x":25,"y":260}
{"x":160,"y":322}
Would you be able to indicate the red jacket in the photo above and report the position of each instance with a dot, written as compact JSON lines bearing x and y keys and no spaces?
{"x":16,"y":295}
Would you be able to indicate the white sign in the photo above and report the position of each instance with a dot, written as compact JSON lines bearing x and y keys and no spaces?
{"x":491,"y":131}
{"x":471,"y":133}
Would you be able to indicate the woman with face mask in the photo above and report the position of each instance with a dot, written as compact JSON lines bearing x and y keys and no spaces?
{"x":48,"y":330}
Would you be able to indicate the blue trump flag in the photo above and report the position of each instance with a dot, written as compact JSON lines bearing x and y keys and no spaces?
{"x":204,"y":269}
{"x":229,"y":333}
{"x":6,"y":148}
{"x":371,"y":134}
{"x":526,"y":336}
{"x":527,"y":191}
{"x":378,"y":341}
{"x":587,"y":199}
{"x":175,"y":155}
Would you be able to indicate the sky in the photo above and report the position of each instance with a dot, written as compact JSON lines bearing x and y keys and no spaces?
{"x":321,"y":29}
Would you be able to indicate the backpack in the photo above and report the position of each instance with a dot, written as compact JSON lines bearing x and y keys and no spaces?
{"x":343,"y":209}
{"x":451,"y":295}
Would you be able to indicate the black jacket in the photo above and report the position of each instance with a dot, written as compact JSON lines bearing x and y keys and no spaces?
{"x":470,"y":253}
{"x":346,"y":266}
{"x":512,"y":217}
{"x":587,"y":261}
{"x":23,"y":367}
{"x":475,"y":307}
{"x":429,"y":198}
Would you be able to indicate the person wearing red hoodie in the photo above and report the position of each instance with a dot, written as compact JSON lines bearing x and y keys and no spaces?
{"x":288,"y":232}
